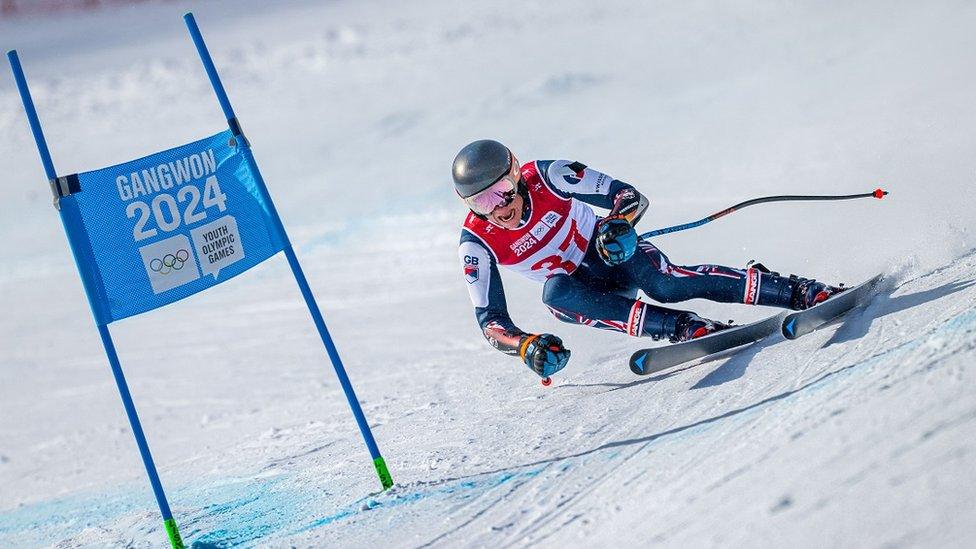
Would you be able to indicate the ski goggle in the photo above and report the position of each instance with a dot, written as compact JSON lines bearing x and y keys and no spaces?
{"x":500,"y":194}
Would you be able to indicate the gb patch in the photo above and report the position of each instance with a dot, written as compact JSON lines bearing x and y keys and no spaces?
{"x":471,"y":273}
{"x":471,"y":269}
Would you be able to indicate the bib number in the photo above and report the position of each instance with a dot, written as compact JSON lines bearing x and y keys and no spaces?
{"x":555,"y":262}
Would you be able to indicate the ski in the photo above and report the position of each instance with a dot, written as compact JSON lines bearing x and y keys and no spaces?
{"x":801,"y":323}
{"x":655,"y":359}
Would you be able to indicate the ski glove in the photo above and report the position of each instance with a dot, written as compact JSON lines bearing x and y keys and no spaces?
{"x":616,"y":240}
{"x":544,"y":354}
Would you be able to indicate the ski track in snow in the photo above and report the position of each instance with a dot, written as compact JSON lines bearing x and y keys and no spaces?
{"x":859,"y":434}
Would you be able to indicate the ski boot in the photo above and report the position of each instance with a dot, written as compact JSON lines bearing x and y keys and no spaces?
{"x":803,"y":292}
{"x":691,"y":326}
{"x":808,"y":292}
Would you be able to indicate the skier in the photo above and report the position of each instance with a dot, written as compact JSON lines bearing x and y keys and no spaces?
{"x":536,"y":220}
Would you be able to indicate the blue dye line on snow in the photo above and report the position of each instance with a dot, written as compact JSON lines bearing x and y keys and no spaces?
{"x":50,"y":521}
{"x":394,"y":499}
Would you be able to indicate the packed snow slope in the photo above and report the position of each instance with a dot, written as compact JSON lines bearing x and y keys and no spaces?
{"x":861,"y":434}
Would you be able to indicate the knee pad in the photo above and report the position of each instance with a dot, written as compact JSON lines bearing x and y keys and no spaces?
{"x":557,"y":289}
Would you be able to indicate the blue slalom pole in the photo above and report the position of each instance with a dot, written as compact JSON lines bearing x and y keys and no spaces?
{"x":130,"y":410}
{"x":378,"y":462}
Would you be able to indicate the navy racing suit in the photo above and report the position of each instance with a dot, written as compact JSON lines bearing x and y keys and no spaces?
{"x":555,"y":245}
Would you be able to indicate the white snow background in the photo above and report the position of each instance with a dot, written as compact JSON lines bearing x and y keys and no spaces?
{"x":861,"y":434}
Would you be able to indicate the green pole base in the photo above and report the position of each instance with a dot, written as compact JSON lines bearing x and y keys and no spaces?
{"x":385,"y":479}
{"x":174,"y":534}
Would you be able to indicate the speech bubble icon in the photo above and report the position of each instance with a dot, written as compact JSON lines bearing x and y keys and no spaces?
{"x":218,"y":244}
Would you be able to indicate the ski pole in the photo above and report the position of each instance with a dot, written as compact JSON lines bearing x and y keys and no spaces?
{"x":877,"y":193}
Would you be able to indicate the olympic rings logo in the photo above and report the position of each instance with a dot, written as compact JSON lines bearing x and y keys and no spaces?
{"x":170,"y":262}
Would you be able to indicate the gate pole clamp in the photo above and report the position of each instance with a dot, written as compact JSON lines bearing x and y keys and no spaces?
{"x":64,"y":186}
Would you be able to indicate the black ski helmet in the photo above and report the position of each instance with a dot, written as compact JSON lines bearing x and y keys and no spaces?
{"x":479,"y":165}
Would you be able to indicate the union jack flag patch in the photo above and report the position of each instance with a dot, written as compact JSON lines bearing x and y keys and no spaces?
{"x":471,"y":273}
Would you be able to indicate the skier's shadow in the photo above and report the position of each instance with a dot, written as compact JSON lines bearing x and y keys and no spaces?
{"x":744,"y":353}
{"x":735,"y":367}
{"x":616,"y":386}
{"x":857,"y":325}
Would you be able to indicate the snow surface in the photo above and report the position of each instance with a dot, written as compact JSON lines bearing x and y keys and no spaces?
{"x":861,"y":434}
